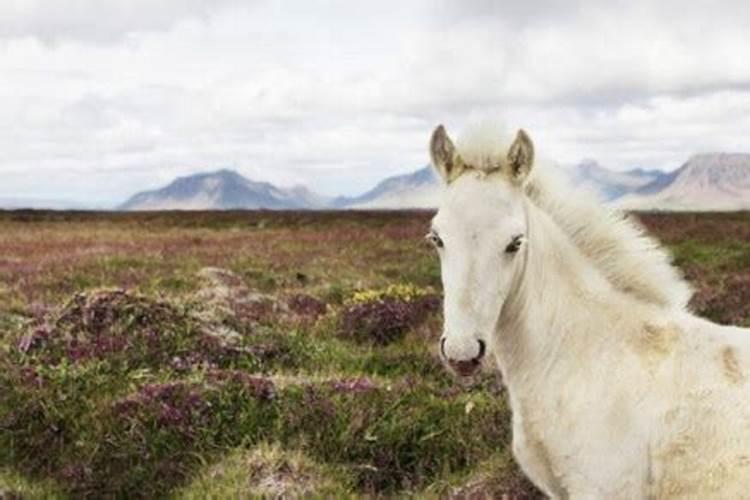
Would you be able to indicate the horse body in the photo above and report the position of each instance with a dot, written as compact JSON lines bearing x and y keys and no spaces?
{"x":615,"y":398}
{"x":616,"y":390}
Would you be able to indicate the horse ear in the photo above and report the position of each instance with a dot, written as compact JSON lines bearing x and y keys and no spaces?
{"x":444,"y":156}
{"x":521,"y":156}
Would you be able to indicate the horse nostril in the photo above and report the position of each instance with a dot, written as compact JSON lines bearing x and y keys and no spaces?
{"x":442,"y":348}
{"x":482,"y":348}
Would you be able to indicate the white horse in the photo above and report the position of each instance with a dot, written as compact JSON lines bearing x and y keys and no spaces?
{"x":617,"y":391}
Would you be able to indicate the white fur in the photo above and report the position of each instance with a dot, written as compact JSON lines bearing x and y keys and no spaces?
{"x":616,"y":390}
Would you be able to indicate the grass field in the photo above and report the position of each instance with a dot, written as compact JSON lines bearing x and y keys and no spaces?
{"x":192,"y":355}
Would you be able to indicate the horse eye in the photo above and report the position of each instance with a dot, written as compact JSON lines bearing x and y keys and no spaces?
{"x":434,"y":239}
{"x":515,"y":244}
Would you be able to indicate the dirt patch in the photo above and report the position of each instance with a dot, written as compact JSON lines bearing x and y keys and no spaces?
{"x":226,"y":293}
{"x":652,"y":343}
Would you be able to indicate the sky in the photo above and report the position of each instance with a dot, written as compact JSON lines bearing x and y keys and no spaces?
{"x":103,"y":98}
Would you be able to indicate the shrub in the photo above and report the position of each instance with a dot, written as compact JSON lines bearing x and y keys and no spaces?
{"x":386,"y":319}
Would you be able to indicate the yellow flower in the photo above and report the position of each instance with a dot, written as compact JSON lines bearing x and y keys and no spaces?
{"x":402,"y":291}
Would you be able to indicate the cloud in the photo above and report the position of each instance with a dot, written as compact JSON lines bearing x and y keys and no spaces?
{"x":104,"y":98}
{"x":97,"y":20}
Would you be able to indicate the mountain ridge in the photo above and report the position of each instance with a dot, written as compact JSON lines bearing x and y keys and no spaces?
{"x":706,"y":181}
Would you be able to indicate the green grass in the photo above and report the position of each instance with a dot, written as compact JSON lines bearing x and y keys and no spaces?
{"x":126,"y":372}
{"x":712,"y":256}
{"x":118,"y":421}
{"x":14,"y":485}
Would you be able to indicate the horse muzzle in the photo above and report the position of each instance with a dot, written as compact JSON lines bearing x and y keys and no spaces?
{"x":463,"y":367}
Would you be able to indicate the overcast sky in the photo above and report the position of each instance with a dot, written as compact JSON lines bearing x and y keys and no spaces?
{"x":101,"y":98}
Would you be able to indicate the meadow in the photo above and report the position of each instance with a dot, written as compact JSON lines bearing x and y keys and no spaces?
{"x":235,"y":354}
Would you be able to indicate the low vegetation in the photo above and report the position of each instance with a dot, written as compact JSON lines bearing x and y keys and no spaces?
{"x":280,"y":354}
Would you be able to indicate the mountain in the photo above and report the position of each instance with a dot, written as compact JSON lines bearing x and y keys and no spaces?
{"x":222,"y":190}
{"x":419,"y":189}
{"x":715,"y":181}
{"x":609,"y":184}
{"x":308,"y":198}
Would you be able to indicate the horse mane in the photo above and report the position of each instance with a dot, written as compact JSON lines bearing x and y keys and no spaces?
{"x":614,"y":242}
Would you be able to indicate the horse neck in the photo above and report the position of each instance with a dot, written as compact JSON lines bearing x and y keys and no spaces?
{"x":556,"y":292}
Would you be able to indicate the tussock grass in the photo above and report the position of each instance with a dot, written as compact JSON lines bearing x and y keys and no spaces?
{"x":14,"y":486}
{"x":268,"y":471}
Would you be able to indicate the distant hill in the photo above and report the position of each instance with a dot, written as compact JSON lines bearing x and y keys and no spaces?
{"x":705,"y":182}
{"x":226,"y":189}
{"x":610,"y":184}
{"x":223,"y":190}
{"x":716,"y":181}
{"x":419,"y":189}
